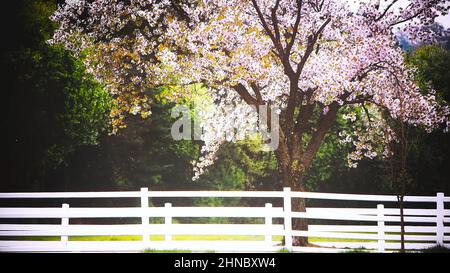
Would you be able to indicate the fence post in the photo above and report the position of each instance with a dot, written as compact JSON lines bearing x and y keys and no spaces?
{"x":168,"y":222}
{"x":145,"y":220}
{"x":287,"y":218}
{"x":380,"y":215}
{"x":440,"y":218}
{"x":268,"y":222}
{"x":65,"y":224}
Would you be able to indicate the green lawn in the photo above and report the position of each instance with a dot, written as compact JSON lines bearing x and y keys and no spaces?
{"x":312,"y":240}
{"x":185,"y":238}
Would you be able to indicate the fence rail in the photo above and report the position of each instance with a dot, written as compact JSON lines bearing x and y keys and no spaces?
{"x":374,"y":227}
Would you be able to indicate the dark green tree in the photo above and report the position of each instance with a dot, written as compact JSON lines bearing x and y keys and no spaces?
{"x":53,"y":105}
{"x":429,"y":154}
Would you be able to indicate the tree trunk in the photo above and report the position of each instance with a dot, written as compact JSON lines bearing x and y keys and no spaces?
{"x":298,"y":204}
{"x":294,"y":180}
{"x":293,"y":161}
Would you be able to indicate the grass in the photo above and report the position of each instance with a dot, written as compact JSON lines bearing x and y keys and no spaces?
{"x":191,"y":238}
{"x":217,"y":238}
{"x":357,"y":250}
{"x":320,"y":239}
{"x":436,"y":249}
{"x":312,"y":240}
{"x":176,"y":237}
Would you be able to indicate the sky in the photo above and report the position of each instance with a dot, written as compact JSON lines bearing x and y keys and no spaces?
{"x":444,"y":20}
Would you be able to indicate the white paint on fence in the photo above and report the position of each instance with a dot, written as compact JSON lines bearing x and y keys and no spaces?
{"x":375,"y":227}
{"x":380,"y":228}
{"x":268,"y":221}
{"x":145,"y":219}
{"x":65,"y":224}
{"x":168,"y":222}
{"x":440,"y":218}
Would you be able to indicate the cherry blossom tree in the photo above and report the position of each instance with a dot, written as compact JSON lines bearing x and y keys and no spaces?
{"x":310,"y":59}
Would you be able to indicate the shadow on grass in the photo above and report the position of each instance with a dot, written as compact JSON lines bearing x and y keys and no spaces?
{"x":436,"y":249}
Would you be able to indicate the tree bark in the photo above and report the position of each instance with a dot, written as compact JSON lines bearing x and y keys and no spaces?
{"x":298,"y":205}
{"x":293,"y":178}
{"x":293,"y":163}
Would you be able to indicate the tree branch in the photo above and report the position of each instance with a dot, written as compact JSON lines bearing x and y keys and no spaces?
{"x":275,"y":21}
{"x":311,"y":42}
{"x":257,"y":90}
{"x":323,"y":125}
{"x":295,"y":28}
{"x":275,"y":42}
{"x":367,"y":112}
{"x":407,"y":18}
{"x":386,"y":10}
{"x":294,"y":80}
{"x":245,"y":95}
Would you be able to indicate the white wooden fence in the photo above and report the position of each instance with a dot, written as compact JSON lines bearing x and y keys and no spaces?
{"x":375,"y":227}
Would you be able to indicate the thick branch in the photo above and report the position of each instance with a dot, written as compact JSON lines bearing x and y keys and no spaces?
{"x":282,"y":153}
{"x":304,"y":115}
{"x":245,"y":95}
{"x":312,"y":40}
{"x":257,"y":92}
{"x":323,"y":125}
